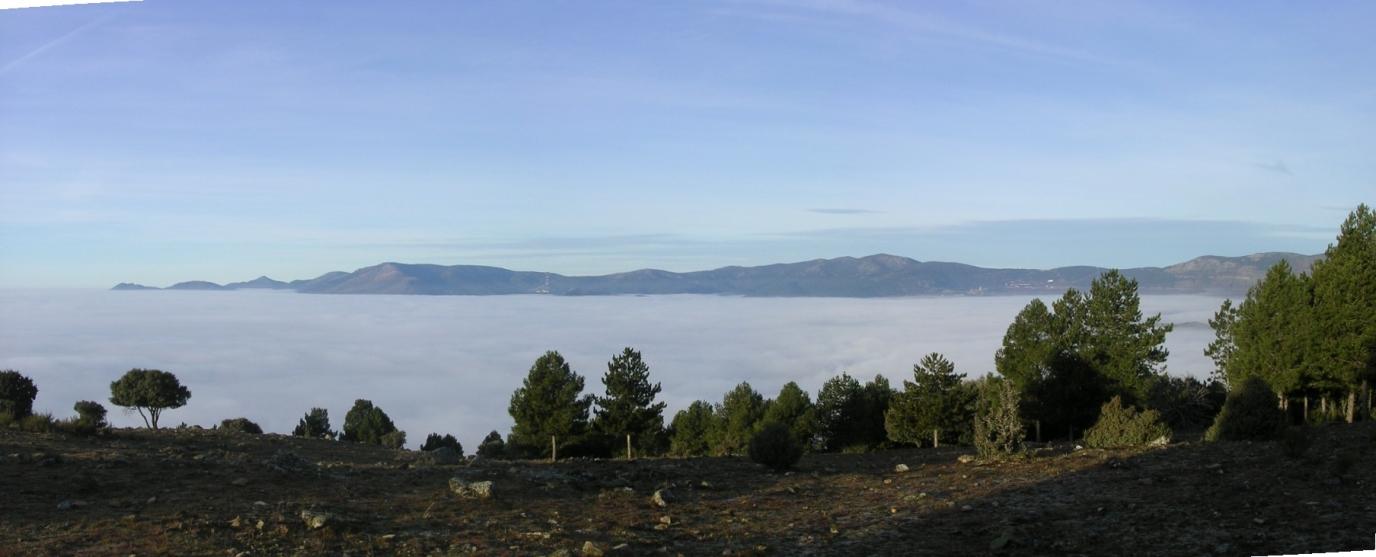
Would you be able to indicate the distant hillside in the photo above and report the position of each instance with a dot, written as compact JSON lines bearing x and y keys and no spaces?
{"x":865,"y":277}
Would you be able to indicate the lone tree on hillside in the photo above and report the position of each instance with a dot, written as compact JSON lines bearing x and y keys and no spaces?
{"x":16,"y":394}
{"x":368,"y":424}
{"x":315,"y":424}
{"x":629,"y":407}
{"x":149,"y":391}
{"x":549,"y":404}
{"x":435,"y":441}
{"x":492,"y":446}
{"x":934,"y":401}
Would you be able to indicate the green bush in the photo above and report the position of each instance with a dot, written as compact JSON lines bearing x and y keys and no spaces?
{"x":91,"y":413}
{"x":775,"y":447}
{"x":1123,"y":426}
{"x":315,"y":424}
{"x":492,"y":446}
{"x":240,"y":425}
{"x":435,"y":441}
{"x":16,"y":394}
{"x":366,"y":423}
{"x":393,"y":440}
{"x":1249,"y":413}
{"x":998,"y":425}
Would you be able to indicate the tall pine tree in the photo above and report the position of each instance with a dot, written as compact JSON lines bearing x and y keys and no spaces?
{"x":794,"y":409}
{"x":629,"y":407}
{"x":549,"y":404}
{"x":1272,"y":333}
{"x":934,"y":401}
{"x":1345,"y":307}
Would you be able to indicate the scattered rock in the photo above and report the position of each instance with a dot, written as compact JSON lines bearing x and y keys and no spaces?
{"x":901,"y":468}
{"x":236,"y":523}
{"x":287,"y":462}
{"x":316,"y":520}
{"x":470,"y":490}
{"x":966,"y":508}
{"x":561,"y":553}
{"x":591,"y":550}
{"x":666,"y":520}
{"x":239,"y":482}
{"x":1160,"y":441}
{"x":965,"y":459}
{"x":70,"y":504}
{"x":662,"y":498}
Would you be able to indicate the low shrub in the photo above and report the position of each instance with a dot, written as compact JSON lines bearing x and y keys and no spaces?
{"x":91,"y":413}
{"x":393,"y":440}
{"x":1123,"y":426}
{"x":38,"y":423}
{"x":1249,"y":413}
{"x":435,"y":441}
{"x":240,"y":425}
{"x":775,"y":447}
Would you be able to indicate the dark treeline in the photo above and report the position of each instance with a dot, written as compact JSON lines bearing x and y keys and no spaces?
{"x":1090,"y":366}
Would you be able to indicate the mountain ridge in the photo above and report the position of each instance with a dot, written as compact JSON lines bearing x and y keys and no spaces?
{"x":878,"y":275}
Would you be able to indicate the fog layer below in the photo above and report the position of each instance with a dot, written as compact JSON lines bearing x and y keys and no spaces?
{"x":449,"y":364}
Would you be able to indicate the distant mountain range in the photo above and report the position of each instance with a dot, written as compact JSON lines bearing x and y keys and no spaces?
{"x":865,"y":277}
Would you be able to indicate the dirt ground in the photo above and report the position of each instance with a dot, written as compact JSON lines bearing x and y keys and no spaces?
{"x":195,"y":492}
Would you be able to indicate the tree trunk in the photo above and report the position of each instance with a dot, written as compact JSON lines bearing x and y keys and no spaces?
{"x":1306,"y":409}
{"x":936,"y":438}
{"x":553,"y":448}
{"x":145,"y":418}
{"x":628,"y":447}
{"x":153,"y":415}
{"x":1351,"y":405}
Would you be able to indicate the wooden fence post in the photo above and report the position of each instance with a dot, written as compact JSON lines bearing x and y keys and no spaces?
{"x":553,"y":449}
{"x":1039,"y":430}
{"x":628,"y":447}
{"x":936,"y":438}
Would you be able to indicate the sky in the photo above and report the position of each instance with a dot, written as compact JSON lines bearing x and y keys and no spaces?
{"x":448,"y":364}
{"x":161,"y":141}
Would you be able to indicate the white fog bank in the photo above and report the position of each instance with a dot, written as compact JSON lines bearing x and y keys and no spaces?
{"x":448,"y":364}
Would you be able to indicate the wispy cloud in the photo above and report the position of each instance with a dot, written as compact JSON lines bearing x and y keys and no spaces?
{"x":1276,"y":167}
{"x":53,"y":43}
{"x":843,"y":211}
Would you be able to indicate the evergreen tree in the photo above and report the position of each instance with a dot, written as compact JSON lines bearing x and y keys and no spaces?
{"x":1028,"y":345}
{"x":933,"y":401}
{"x":150,"y":391}
{"x":492,"y":446}
{"x":1223,"y":347}
{"x":851,"y":415}
{"x":1123,"y":346}
{"x":315,"y":424}
{"x":630,"y":407}
{"x":692,"y":430}
{"x":1345,"y":307}
{"x":739,"y":417}
{"x":793,"y":408}
{"x":1272,"y":333}
{"x":366,"y":423}
{"x":549,"y":404}
{"x":998,"y":429}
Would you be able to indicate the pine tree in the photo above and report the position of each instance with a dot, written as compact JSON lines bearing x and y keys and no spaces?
{"x":692,"y":430}
{"x":315,"y":424}
{"x":1345,"y":307}
{"x":150,"y":391}
{"x":1271,"y":335}
{"x":850,"y":416}
{"x":435,"y":441}
{"x":934,"y":401}
{"x":629,"y":408}
{"x":1223,"y":347}
{"x":492,"y":446}
{"x":366,"y":423}
{"x":794,"y":409}
{"x":1123,"y":346}
{"x":549,"y":404}
{"x":739,"y":417}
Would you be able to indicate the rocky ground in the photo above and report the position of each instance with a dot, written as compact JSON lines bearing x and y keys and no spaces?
{"x":193,"y":492}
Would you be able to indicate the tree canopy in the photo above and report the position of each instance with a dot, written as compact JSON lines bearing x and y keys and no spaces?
{"x":629,"y":407}
{"x":935,"y":400}
{"x":150,"y":392}
{"x":548,"y":404}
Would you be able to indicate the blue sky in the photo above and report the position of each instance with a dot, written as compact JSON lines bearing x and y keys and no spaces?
{"x":164,"y":141}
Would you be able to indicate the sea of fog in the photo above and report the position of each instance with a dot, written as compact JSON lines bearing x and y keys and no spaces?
{"x":449,"y":363}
